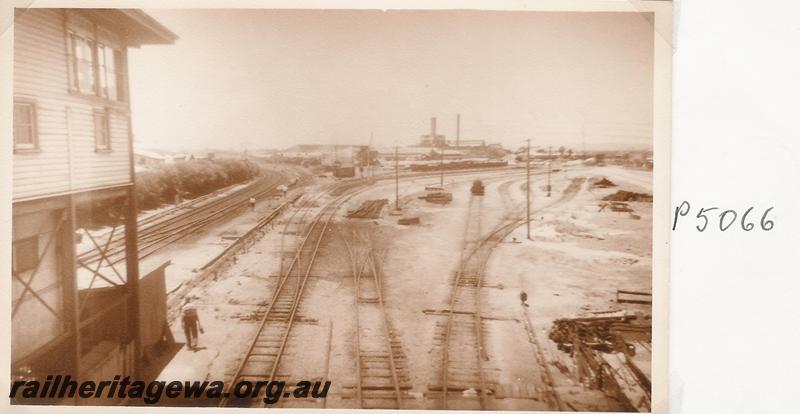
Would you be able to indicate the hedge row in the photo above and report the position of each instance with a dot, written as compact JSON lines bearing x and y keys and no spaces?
{"x":189,"y":179}
{"x":160,"y":185}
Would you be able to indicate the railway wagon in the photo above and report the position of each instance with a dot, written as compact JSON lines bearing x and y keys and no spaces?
{"x":437,"y":195}
{"x":477,"y":188}
{"x":457,"y":165}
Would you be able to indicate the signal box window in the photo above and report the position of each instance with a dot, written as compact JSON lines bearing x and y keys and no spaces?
{"x":102,"y":133}
{"x":25,"y":126}
{"x":82,"y":64}
{"x":96,"y":69}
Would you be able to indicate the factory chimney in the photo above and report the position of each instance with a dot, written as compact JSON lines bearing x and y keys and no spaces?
{"x":458,"y":130}
{"x":433,"y":131}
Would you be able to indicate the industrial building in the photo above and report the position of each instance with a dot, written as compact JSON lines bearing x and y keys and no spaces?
{"x":73,"y":148}
{"x":434,"y":140}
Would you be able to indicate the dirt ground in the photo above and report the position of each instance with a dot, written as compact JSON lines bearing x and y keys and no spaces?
{"x":578,"y":258}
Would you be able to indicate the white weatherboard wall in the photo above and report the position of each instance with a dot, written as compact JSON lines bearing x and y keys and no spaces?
{"x":735,"y":312}
{"x":41,"y":74}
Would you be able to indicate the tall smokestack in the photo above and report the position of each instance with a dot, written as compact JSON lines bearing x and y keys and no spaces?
{"x":458,"y":129}
{"x":433,"y":131}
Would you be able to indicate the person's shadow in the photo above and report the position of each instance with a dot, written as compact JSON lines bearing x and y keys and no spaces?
{"x":195,"y":349}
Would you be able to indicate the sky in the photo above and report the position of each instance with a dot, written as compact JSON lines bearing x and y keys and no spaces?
{"x":256,"y":79}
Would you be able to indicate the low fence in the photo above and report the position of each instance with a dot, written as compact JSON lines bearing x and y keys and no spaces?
{"x":220,"y":261}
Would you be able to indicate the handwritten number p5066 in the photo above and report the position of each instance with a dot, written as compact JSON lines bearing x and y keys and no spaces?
{"x":726,"y":219}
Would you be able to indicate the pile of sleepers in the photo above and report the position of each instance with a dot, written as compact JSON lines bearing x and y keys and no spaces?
{"x":369,"y":209}
{"x":408,"y":221}
{"x":604,"y":350}
{"x":602,"y":183}
{"x":623,"y":195}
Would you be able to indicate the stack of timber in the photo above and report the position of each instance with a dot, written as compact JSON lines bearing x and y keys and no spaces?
{"x":612,"y":354}
{"x":438,"y":198}
{"x":369,"y":209}
{"x":623,"y":195}
{"x":602,"y":182}
{"x":408,"y":221}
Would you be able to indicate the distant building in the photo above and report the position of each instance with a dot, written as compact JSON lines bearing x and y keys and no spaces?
{"x":449,"y":154}
{"x":437,"y":141}
{"x":149,"y":159}
{"x":339,"y":155}
{"x":467,"y":143}
{"x":406,"y":153}
{"x":440,"y":141}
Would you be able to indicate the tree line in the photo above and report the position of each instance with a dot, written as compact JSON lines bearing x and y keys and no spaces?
{"x":166,"y":184}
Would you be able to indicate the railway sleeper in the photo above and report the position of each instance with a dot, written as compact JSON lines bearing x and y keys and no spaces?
{"x":389,"y":387}
{"x":462,"y":366}
{"x":468,"y":381}
{"x":262,"y":356}
{"x":266,"y":341}
{"x":383,"y":383}
{"x":377,"y":373}
{"x":379,"y":404}
{"x":457,"y":387}
{"x":280,"y":309}
{"x":375,"y":364}
{"x":259,"y":375}
{"x":381,"y":357}
{"x":282,"y":305}
{"x":264,"y":350}
{"x":376,"y":361}
{"x":380,"y":353}
{"x":377,"y":383}
{"x":349,"y":391}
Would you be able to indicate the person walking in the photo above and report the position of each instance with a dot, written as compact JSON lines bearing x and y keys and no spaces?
{"x":190,"y":322}
{"x":252,"y":204}
{"x":523,"y":297}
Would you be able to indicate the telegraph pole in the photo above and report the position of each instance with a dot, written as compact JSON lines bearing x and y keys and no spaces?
{"x":441,"y":168}
{"x":583,"y":140}
{"x":369,"y":155}
{"x":441,"y":151}
{"x":528,"y":187}
{"x":396,"y":181}
{"x":549,"y":167}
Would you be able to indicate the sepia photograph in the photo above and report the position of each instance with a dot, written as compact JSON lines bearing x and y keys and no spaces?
{"x":430,"y":208}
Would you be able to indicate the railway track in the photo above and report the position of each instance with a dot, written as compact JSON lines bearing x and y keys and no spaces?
{"x":262,"y":359}
{"x":463,"y":351}
{"x":381,"y":368}
{"x":381,"y":373}
{"x":161,"y":229}
{"x":505,"y":195}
